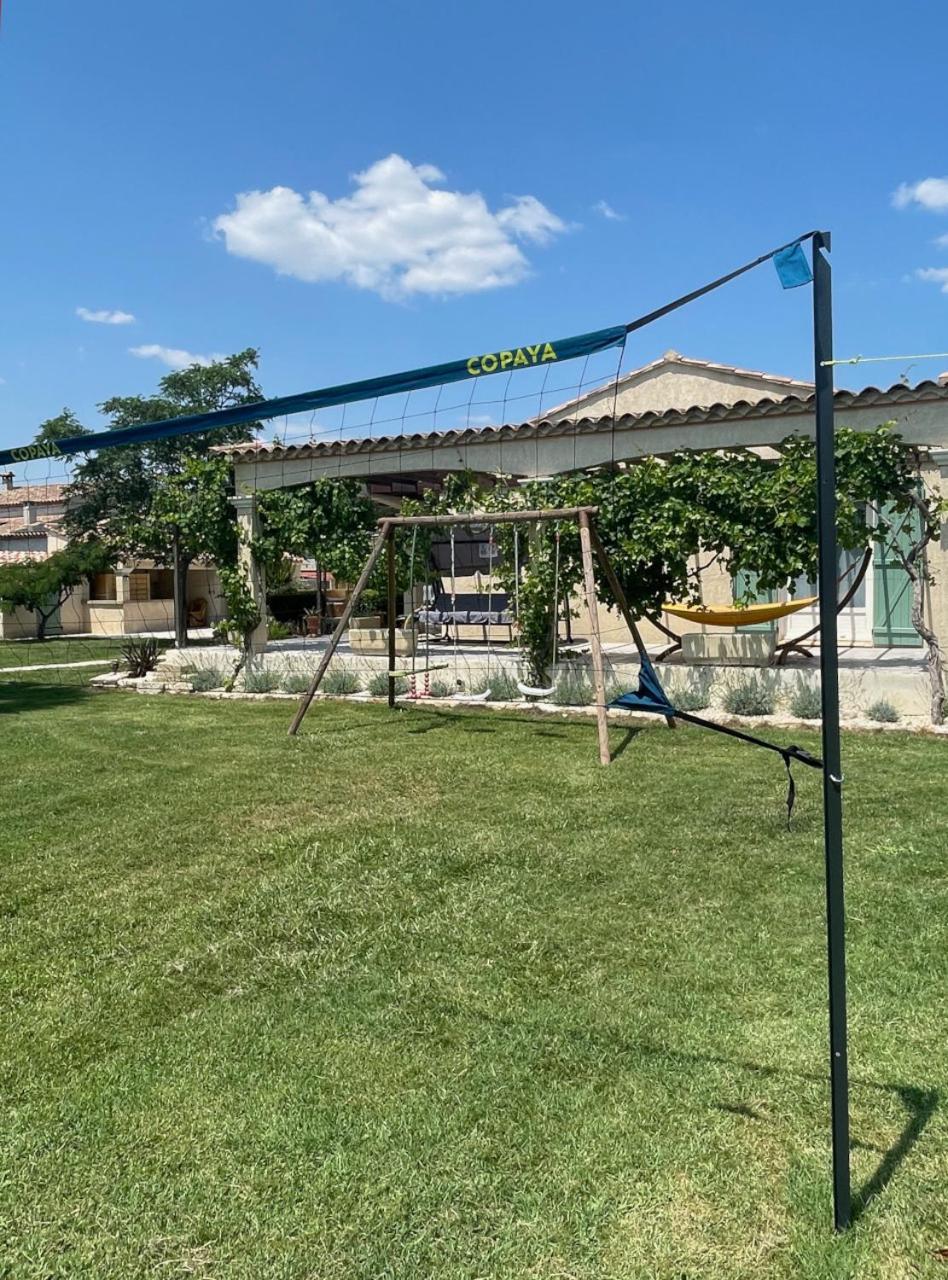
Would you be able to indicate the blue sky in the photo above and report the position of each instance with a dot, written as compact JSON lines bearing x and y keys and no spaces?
{"x":593,"y":161}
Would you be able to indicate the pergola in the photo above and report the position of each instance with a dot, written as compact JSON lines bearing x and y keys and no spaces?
{"x":395,"y":465}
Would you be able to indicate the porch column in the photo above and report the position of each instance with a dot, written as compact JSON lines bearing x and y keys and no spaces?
{"x":248,"y":527}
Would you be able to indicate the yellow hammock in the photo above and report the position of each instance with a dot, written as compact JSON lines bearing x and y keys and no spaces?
{"x":732,"y":615}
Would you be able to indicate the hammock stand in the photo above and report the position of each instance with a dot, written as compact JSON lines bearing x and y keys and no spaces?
{"x":794,"y":644}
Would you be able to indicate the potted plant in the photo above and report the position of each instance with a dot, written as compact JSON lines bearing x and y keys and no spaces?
{"x":313,"y":622}
{"x":366,"y":615}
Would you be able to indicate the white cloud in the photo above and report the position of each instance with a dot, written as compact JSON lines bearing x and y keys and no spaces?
{"x":942,"y":242}
{"x":173,"y":357}
{"x":930,"y":194}
{"x":104,"y":317}
{"x":936,"y":275}
{"x":607,"y":211}
{"x":397,"y":234}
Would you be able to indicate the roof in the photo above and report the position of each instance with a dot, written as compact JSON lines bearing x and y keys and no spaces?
{"x":787,"y":406}
{"x":674,"y":359}
{"x":20,"y":529}
{"x":21,"y":493}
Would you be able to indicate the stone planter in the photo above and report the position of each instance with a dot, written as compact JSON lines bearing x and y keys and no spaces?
{"x":375,"y":640}
{"x":367,"y":622}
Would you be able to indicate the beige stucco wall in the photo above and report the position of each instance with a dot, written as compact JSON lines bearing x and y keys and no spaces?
{"x":676,"y":387}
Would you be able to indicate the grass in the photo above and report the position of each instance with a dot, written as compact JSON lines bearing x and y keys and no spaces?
{"x":430,"y":994}
{"x":28,"y":653}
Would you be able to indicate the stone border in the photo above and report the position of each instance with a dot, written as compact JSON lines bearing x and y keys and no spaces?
{"x":148,"y":685}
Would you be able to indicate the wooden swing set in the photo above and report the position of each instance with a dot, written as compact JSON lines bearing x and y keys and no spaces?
{"x":591,"y":550}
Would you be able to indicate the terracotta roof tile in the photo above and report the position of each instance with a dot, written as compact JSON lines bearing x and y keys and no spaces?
{"x":21,"y":493}
{"x":787,"y":406}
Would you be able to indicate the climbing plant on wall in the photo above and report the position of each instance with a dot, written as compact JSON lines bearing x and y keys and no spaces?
{"x":756,"y":515}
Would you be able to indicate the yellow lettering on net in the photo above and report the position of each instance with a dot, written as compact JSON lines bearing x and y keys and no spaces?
{"x":473,"y":366}
{"x":506,"y":359}
{"x":534,"y":352}
{"x":488,"y":364}
{"x":548,"y":353}
{"x":520,"y":358}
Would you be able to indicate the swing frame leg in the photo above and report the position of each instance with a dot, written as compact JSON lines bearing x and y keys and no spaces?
{"x":595,"y":643}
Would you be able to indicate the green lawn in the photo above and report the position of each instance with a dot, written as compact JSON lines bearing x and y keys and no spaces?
{"x":58,"y":649}
{"x":432,"y":995}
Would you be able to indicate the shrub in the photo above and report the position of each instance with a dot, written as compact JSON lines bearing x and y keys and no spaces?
{"x":882,"y":711}
{"x":503,"y":688}
{"x":378,"y":685}
{"x":690,"y":698}
{"x":296,"y":681}
{"x":140,"y":656}
{"x":750,"y":697}
{"x":806,"y":703}
{"x":262,"y":681}
{"x":205,"y":678}
{"x":340,"y":681}
{"x":441,"y":689}
{"x":277,"y":630}
{"x":573,"y":689}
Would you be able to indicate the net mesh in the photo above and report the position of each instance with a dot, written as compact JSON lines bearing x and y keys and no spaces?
{"x":102,"y":625}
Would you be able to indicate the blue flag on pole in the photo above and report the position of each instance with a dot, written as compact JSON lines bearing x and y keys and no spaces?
{"x":793,"y":267}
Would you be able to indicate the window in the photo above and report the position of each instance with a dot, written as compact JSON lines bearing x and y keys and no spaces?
{"x":103,"y":587}
{"x":161,"y":584}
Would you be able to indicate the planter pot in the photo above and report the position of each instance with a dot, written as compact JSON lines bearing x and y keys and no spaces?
{"x":375,"y":640}
{"x":314,"y":625}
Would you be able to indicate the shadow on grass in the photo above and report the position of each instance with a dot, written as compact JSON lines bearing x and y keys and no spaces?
{"x":628,"y":736}
{"x":23,"y":696}
{"x":920,"y":1104}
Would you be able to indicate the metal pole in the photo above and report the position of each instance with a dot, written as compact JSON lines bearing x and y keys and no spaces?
{"x":390,"y":559}
{"x":832,"y":767}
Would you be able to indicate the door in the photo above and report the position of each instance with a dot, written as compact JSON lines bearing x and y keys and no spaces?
{"x":892,"y":591}
{"x":745,"y":589}
{"x":852,"y":622}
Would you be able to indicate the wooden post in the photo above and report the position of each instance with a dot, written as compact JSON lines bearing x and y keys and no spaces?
{"x":390,"y":558}
{"x":595,"y":645}
{"x":341,"y":625}
{"x":621,"y":601}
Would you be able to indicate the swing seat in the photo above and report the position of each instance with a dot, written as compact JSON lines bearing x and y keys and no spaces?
{"x":473,"y":697}
{"x":530,"y":691}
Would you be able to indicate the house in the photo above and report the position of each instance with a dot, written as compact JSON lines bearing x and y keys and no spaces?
{"x":132,"y":598}
{"x":675,"y":402}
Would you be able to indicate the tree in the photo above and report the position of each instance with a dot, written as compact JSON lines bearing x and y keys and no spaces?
{"x":43,"y":586}
{"x":61,"y":427}
{"x":907,"y":529}
{"x":751,"y":514}
{"x":329,"y":520}
{"x":156,"y":500}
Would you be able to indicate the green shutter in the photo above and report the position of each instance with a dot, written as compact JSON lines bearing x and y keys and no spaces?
{"x":745,"y":585}
{"x":892,"y":595}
